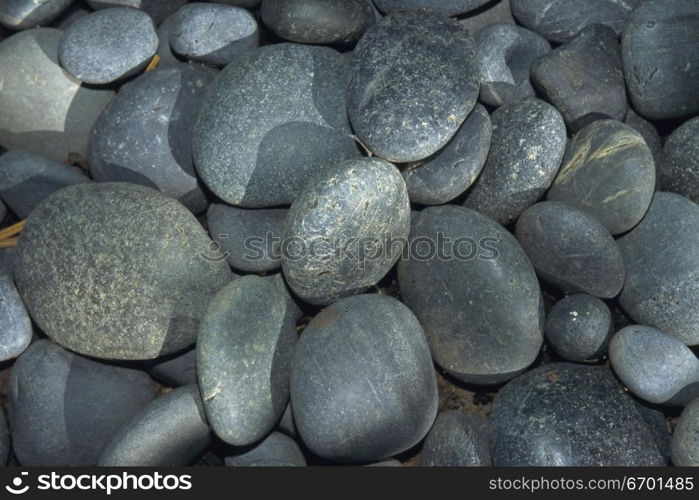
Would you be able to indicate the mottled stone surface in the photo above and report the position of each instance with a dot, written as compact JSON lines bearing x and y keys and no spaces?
{"x":460,"y":293}
{"x":457,"y":439}
{"x":363,"y":386}
{"x":571,"y":250}
{"x":660,"y":48}
{"x":276,"y":450}
{"x":170,"y":431}
{"x":344,"y":230}
{"x":679,"y":170}
{"x":685,"y":439}
{"x":144,"y":136}
{"x":137,"y":250}
{"x":564,"y":414}
{"x":662,"y":269}
{"x":654,"y":365}
{"x":608,"y":171}
{"x":578,"y":327}
{"x":529,"y":140}
{"x":108,"y":45}
{"x":64,"y":409}
{"x":581,"y":91}
{"x":157,"y":9}
{"x":212,"y":33}
{"x":16,"y":332}
{"x":441,"y":7}
{"x":318,"y":21}
{"x":27,"y":179}
{"x":414,"y":80}
{"x":44,"y":109}
{"x":505,"y":54}
{"x":23,"y":14}
{"x":271,"y":122}
{"x":176,"y":370}
{"x":451,"y":171}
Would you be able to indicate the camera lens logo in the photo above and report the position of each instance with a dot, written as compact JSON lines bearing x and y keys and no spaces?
{"x":16,"y":487}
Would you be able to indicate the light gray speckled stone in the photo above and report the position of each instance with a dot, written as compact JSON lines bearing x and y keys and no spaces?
{"x":16,"y":332}
{"x":441,"y":7}
{"x":157,"y":9}
{"x":23,"y":14}
{"x":679,"y":170}
{"x":685,"y":439}
{"x":276,"y":450}
{"x":457,"y":439}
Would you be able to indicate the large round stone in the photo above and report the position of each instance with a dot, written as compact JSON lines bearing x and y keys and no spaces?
{"x":442,"y":7}
{"x":23,"y":14}
{"x":679,"y":170}
{"x":116,"y":271}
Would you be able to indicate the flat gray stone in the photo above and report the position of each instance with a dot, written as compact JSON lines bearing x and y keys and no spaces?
{"x":414,"y":81}
{"x":459,"y":289}
{"x":171,"y":431}
{"x":17,"y":329}
{"x":685,"y":439}
{"x":662,"y":271}
{"x":23,"y":14}
{"x":144,"y":136}
{"x":44,"y":109}
{"x":276,"y":450}
{"x":363,"y":387}
{"x":654,"y":365}
{"x":457,"y":439}
{"x":571,"y":250}
{"x":271,"y":122}
{"x":442,"y":7}
{"x":346,"y":230}
{"x":137,"y":250}
{"x":64,"y":409}
{"x":608,"y":171}
{"x":528,"y":143}
{"x":108,"y":45}
{"x":157,"y":9}
{"x":449,"y":172}
{"x":679,"y":170}
{"x":27,"y":179}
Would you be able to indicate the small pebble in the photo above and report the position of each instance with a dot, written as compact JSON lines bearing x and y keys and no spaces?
{"x":23,"y":14}
{"x":685,"y":439}
{"x":679,"y":170}
{"x":457,"y":439}
{"x":276,"y":450}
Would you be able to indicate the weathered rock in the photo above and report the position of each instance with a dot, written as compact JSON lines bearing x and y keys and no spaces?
{"x":414,"y":81}
{"x":442,"y":7}
{"x":460,"y":288}
{"x":64,"y":409}
{"x":16,"y":333}
{"x":176,"y":370}
{"x":157,"y":9}
{"x":608,"y":171}
{"x":581,"y":91}
{"x":363,"y":386}
{"x":499,"y":11}
{"x":571,"y":250}
{"x":108,"y":45}
{"x":346,"y":230}
{"x":271,"y":122}
{"x":679,"y":170}
{"x":566,"y":414}
{"x":23,"y":14}
{"x":170,"y":431}
{"x":144,"y":136}
{"x":116,"y":270}
{"x":276,"y":450}
{"x":44,"y":109}
{"x":662,"y":271}
{"x":505,"y":54}
{"x":457,"y":439}
{"x":685,"y":439}
{"x":529,"y":140}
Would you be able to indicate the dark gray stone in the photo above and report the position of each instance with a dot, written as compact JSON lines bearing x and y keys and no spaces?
{"x":386,"y":463}
{"x":571,"y":250}
{"x":277,"y":115}
{"x":72,"y":14}
{"x":116,"y":270}
{"x":170,"y":431}
{"x":23,"y":14}
{"x":414,"y":81}
{"x":277,"y":279}
{"x":318,"y":21}
{"x":679,"y":170}
{"x":363,"y":386}
{"x":662,"y":269}
{"x":4,"y":440}
{"x":64,"y":409}
{"x":244,"y":350}
{"x":177,"y":370}
{"x":248,"y":4}
{"x":108,"y":45}
{"x":16,"y":333}
{"x":144,"y":136}
{"x":250,"y":238}
{"x":441,"y":7}
{"x":157,"y":9}
{"x":3,"y":210}
{"x":167,"y":56}
{"x":561,"y":20}
{"x":346,"y":230}
{"x":654,"y":365}
{"x":608,"y":171}
{"x":565,"y":414}
{"x":685,"y":439}
{"x":459,"y":294}
{"x":578,"y":327}
{"x":497,"y":11}
{"x":276,"y":450}
{"x":451,"y":171}
{"x":505,"y":54}
{"x":286,"y":423}
{"x":212,"y":33}
{"x":529,"y":140}
{"x":660,"y":48}
{"x":44,"y":109}
{"x":27,"y":179}
{"x":650,"y":135}
{"x":7,"y":260}
{"x":584,"y":79}
{"x":457,"y":439}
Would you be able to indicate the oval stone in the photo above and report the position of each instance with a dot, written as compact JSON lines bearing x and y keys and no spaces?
{"x":276,"y":450}
{"x":23,"y":14}
{"x":685,"y":439}
{"x":442,"y":7}
{"x":457,"y":439}
{"x":679,"y":170}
